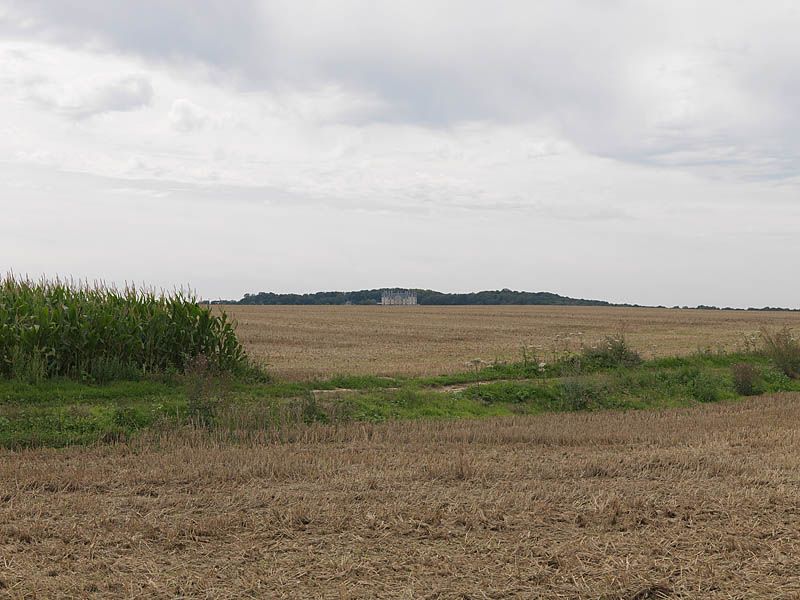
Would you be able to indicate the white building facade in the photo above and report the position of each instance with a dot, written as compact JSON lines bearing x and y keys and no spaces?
{"x":398,"y":297}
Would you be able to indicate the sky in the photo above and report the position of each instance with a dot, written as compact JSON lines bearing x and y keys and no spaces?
{"x":634,"y":151}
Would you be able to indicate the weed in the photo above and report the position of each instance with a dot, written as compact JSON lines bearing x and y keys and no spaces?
{"x":745,"y":379}
{"x":206,"y":389}
{"x":311,"y":411}
{"x":749,"y":343}
{"x":476,"y":364}
{"x":783,"y":348}
{"x":614,"y":351}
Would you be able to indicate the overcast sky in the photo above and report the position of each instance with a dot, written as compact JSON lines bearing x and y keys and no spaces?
{"x":640,"y":151}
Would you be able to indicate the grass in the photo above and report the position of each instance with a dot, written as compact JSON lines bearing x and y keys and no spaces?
{"x":64,"y":412}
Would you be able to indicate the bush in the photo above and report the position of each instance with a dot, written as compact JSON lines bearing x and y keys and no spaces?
{"x":745,"y":379}
{"x":614,"y":351}
{"x":578,"y":394}
{"x":783,"y":349}
{"x":704,"y":388}
{"x":97,"y":333}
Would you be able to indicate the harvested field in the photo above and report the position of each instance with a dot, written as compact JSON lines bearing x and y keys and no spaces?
{"x":699,"y":503}
{"x":301,"y":342}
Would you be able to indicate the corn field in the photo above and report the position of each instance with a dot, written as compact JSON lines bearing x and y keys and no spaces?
{"x":62,"y":329}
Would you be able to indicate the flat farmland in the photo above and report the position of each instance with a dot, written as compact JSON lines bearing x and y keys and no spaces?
{"x":686,"y":503}
{"x":301,"y":342}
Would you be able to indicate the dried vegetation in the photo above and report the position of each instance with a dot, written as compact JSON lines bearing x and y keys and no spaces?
{"x":699,"y":503}
{"x":304,"y":342}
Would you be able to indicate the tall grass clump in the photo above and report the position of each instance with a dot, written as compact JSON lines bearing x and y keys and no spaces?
{"x":613,"y":351}
{"x":783,"y":349}
{"x":62,"y":329}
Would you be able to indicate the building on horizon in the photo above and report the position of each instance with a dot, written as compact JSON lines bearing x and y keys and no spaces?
{"x":398,"y":297}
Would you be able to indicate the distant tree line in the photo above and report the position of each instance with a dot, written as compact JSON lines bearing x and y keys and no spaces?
{"x":429,"y":297}
{"x":434,"y":298}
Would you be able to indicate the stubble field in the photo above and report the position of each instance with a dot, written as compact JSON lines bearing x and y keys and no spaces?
{"x":699,"y":503}
{"x":302,"y":342}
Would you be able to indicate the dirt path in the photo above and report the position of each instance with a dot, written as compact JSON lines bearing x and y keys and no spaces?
{"x":450,"y":388}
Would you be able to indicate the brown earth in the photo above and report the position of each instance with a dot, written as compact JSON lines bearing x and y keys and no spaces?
{"x":692,"y":503}
{"x":301,"y":342}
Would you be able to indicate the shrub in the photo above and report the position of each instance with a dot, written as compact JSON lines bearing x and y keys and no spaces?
{"x":783,"y":349}
{"x":614,"y":351}
{"x":578,"y":394}
{"x":96,"y":333}
{"x":745,"y":379}
{"x":704,"y":388}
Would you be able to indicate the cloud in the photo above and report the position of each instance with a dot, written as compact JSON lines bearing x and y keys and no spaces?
{"x":84,"y":99}
{"x":666,"y":84}
{"x":634,"y":137}
{"x":186,"y":116}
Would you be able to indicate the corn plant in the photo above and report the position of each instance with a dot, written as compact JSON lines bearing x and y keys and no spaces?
{"x":63,"y":329}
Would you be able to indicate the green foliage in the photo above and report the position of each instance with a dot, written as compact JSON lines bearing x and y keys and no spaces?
{"x":96,"y":333}
{"x":511,"y":392}
{"x":61,"y":425}
{"x":358,"y":382}
{"x":129,"y":418}
{"x":410,"y":403}
{"x":705,"y":388}
{"x":775,"y":380}
{"x":704,"y":360}
{"x":57,"y":412}
{"x":783,"y":348}
{"x":582,"y":394}
{"x":28,"y":367}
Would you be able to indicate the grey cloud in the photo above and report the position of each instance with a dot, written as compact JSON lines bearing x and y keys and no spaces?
{"x":85,"y":100}
{"x":719,"y":79}
{"x":215,"y":31}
